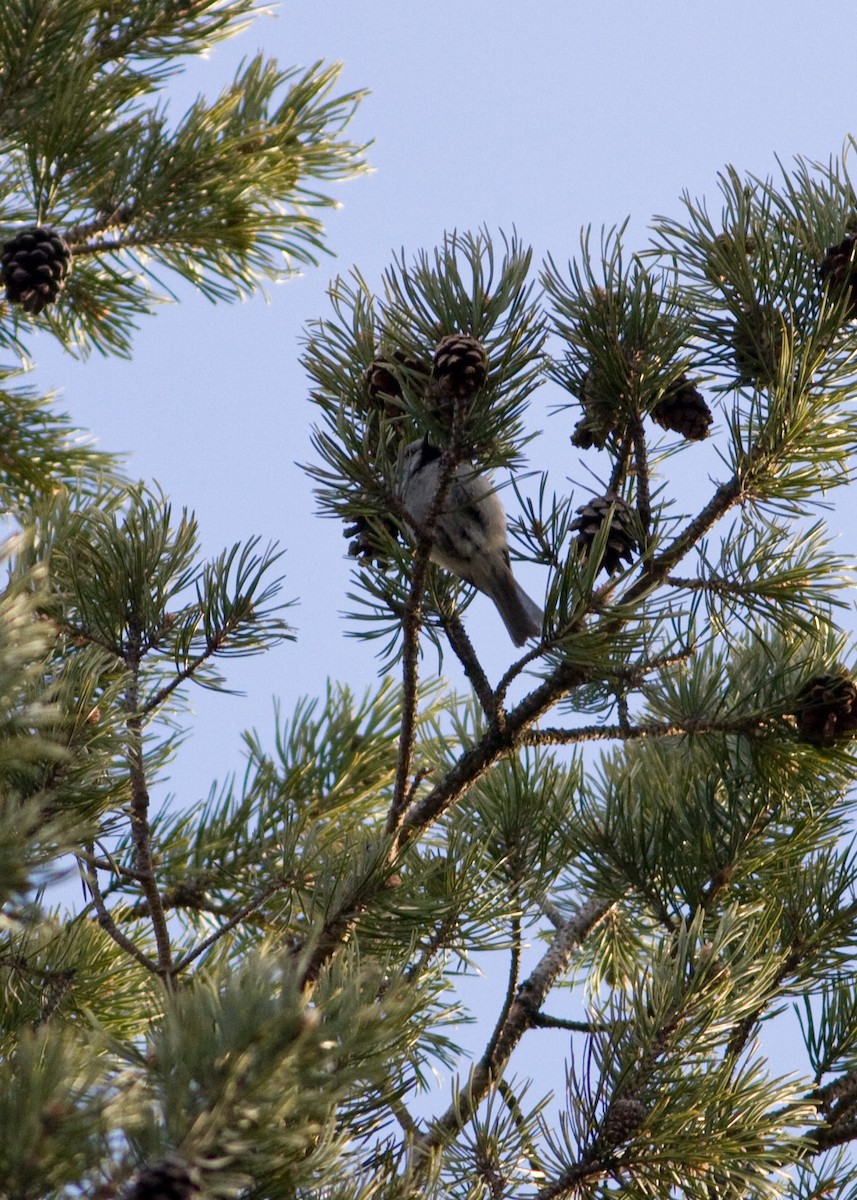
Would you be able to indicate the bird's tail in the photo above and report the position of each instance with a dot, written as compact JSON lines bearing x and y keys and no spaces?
{"x":521,"y":615}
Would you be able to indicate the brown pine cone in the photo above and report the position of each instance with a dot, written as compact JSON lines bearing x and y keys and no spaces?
{"x":682,"y":410}
{"x":623,"y":1118}
{"x":621,"y":540}
{"x":34,"y":267}
{"x":602,"y":413}
{"x":382,"y":379}
{"x":460,"y":366}
{"x":826,"y":708}
{"x":166,"y":1180}
{"x":839,"y":270}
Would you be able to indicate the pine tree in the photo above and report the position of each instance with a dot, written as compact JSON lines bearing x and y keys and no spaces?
{"x":254,"y":993}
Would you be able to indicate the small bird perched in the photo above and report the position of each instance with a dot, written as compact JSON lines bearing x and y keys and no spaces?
{"x":470,"y":534}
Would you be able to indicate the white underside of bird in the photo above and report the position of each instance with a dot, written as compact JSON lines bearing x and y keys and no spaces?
{"x":469,"y":534}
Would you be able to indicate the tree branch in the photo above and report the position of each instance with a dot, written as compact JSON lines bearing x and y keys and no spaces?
{"x":463,"y":648}
{"x":105,"y":920}
{"x":140,"y":830}
{"x":529,"y":999}
{"x":646,"y":729}
{"x":237,"y":917}
{"x":411,"y":624}
{"x":542,"y":1021}
{"x":511,"y":990}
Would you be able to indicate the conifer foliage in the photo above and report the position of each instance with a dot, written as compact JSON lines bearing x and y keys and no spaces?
{"x":255,"y":993}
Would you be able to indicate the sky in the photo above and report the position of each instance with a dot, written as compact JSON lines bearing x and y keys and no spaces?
{"x":543,"y":117}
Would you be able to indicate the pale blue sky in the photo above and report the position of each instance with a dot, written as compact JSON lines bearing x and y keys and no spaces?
{"x":546,"y":116}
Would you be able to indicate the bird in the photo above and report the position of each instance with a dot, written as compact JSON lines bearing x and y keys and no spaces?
{"x":469,"y":534}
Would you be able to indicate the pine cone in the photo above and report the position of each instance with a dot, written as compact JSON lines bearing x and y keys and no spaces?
{"x":826,"y":708}
{"x":623,"y":1118}
{"x":757,"y":342}
{"x":166,"y":1180}
{"x":365,"y":545}
{"x":682,"y":410}
{"x":383,"y":386}
{"x":583,"y":435}
{"x":840,"y":271}
{"x":460,"y":366}
{"x":34,"y":267}
{"x":621,"y":540}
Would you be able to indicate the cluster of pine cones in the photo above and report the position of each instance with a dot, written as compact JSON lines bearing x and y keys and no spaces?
{"x":681,"y":409}
{"x":459,"y":370}
{"x":757,"y":345}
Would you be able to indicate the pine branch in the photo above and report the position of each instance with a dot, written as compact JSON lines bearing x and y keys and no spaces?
{"x":641,"y":470}
{"x":411,"y":624}
{"x":487,"y":1057}
{"x":105,"y":920}
{"x":495,"y":743}
{"x":513,"y":1104}
{"x":657,"y":568}
{"x":834,"y":1135}
{"x":528,"y":1001}
{"x":570,"y":1179}
{"x":620,"y":466}
{"x":648,"y":729}
{"x":552,"y":913}
{"x":544,"y":1021}
{"x":471,"y":766}
{"x":410,"y":1128}
{"x":463,"y":648}
{"x":140,"y":829}
{"x":107,"y":862}
{"x":238,"y":917}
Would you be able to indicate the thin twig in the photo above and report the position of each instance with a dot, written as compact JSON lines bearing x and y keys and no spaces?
{"x":620,"y":467}
{"x":105,"y":920}
{"x":236,"y":919}
{"x":214,"y":644}
{"x":463,"y":648}
{"x":543,"y":1021}
{"x":419,"y":776}
{"x":551,"y":912}
{"x":527,"y":1144}
{"x":107,"y":862}
{"x":411,"y":622}
{"x":843,"y":1087}
{"x":496,"y":742}
{"x":623,"y":712}
{"x":511,"y":991}
{"x":641,"y":463}
{"x":512,"y":673}
{"x":656,"y":569}
{"x":400,"y":1111}
{"x":633,"y":676}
